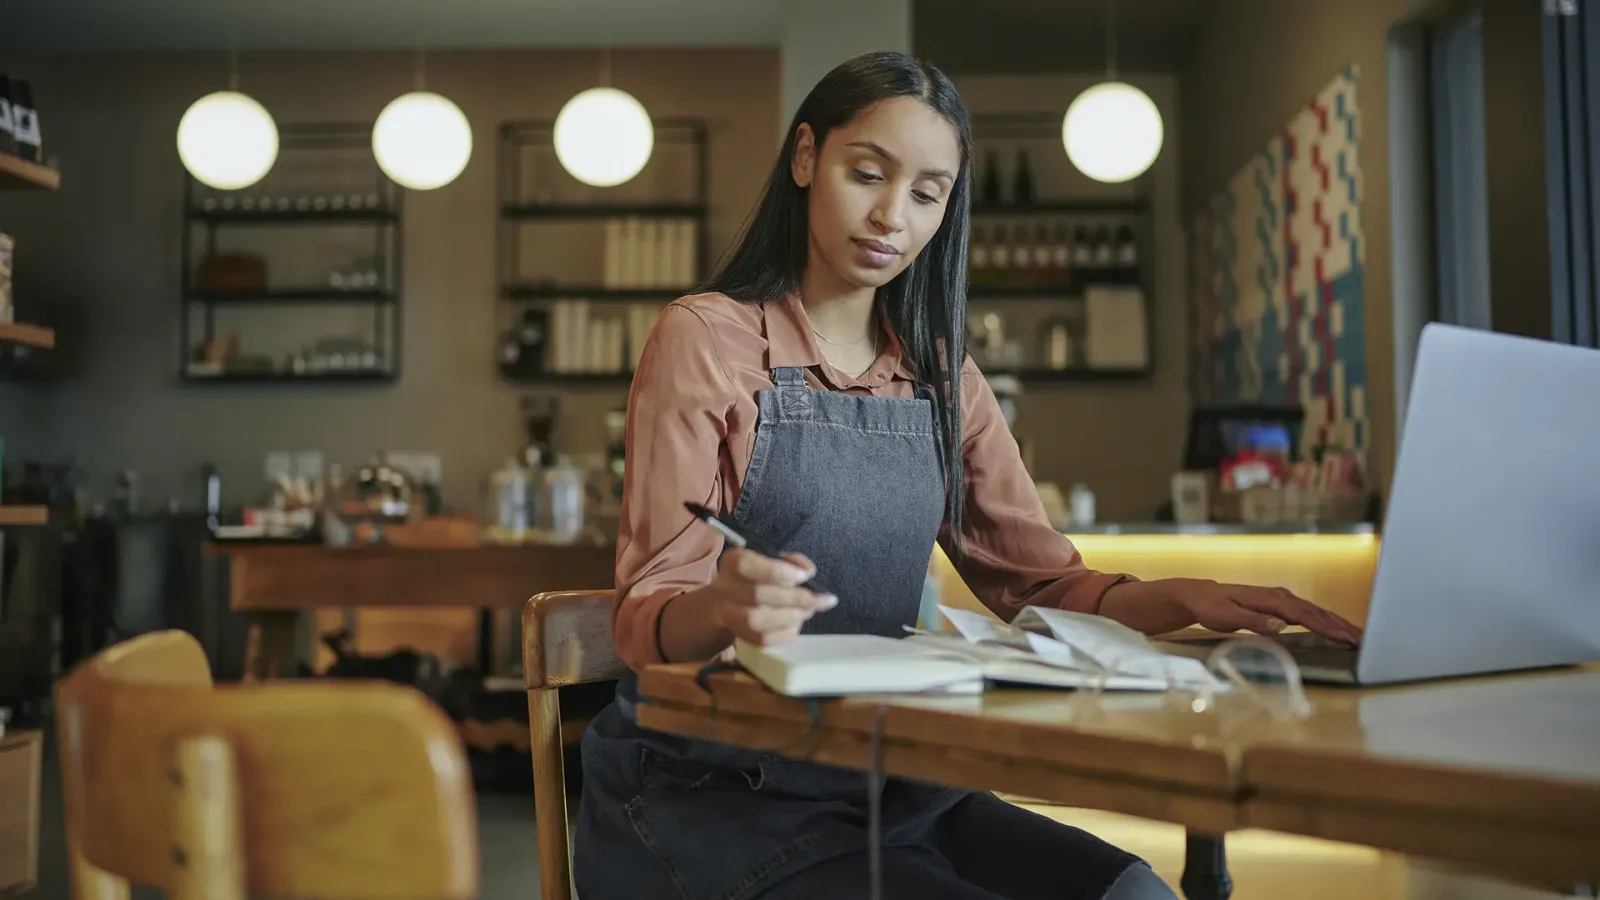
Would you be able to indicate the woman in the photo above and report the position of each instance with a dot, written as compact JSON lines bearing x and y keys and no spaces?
{"x":819,"y":395}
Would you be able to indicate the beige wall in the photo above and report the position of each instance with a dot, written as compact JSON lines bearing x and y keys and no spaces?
{"x":106,"y":248}
{"x":1255,"y":63}
{"x":1124,"y":440}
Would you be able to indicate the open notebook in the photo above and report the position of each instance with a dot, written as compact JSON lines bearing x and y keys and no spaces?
{"x":1043,"y":647}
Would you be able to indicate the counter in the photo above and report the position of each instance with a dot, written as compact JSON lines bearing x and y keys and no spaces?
{"x":428,"y":598}
{"x":1331,"y":564}
{"x":1209,"y":529}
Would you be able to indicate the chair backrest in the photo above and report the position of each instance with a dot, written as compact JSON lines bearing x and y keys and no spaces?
{"x":357,"y":791}
{"x":566,"y":640}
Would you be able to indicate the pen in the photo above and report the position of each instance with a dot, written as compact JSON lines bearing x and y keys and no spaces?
{"x":735,"y":539}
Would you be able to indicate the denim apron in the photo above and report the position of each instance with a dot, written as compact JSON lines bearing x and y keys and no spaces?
{"x":855,"y":484}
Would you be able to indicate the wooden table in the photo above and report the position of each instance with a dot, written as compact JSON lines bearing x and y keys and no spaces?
{"x":274,"y":583}
{"x":1498,"y":775}
{"x":1421,"y":770}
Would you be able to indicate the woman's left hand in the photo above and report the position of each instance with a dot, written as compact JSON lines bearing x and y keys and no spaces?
{"x":1170,"y":604}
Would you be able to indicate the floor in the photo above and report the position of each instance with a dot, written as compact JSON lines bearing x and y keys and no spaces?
{"x":1265,"y":866}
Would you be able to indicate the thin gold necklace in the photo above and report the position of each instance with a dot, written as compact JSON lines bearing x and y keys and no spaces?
{"x":858,"y":340}
{"x":846,"y":371}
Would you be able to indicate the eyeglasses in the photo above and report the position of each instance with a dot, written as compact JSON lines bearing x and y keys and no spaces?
{"x":1241,"y":679}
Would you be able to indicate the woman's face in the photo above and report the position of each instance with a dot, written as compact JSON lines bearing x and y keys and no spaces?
{"x":878,"y":188}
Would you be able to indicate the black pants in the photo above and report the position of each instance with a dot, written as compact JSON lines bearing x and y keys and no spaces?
{"x":982,"y":849}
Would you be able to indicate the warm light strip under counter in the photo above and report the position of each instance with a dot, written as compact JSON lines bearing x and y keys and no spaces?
{"x":1334,"y":569}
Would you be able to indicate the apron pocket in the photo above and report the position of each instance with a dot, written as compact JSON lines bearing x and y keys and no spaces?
{"x":716,"y":837}
{"x":665,"y":771}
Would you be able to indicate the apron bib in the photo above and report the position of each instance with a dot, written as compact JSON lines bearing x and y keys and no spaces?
{"x":855,"y":484}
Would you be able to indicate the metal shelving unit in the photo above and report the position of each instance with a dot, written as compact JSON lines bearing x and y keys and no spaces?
{"x":539,"y":203}
{"x":1061,"y":207}
{"x":297,"y":198}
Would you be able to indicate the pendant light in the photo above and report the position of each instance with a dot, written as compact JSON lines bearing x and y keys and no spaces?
{"x":604,"y":136}
{"x":226,"y":139}
{"x":422,"y":140}
{"x":1112,"y":132}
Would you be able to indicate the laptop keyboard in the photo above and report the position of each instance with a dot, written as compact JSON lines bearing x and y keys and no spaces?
{"x":1307,"y":640}
{"x":1310,"y":651}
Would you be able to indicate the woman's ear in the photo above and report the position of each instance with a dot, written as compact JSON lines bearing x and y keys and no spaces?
{"x":804,"y":164}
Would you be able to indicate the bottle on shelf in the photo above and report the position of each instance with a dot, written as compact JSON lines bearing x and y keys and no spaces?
{"x":1022,"y":183}
{"x":1082,"y":255}
{"x":25,"y":122}
{"x":8,"y":128}
{"x":1127,"y":255}
{"x":1000,"y":257}
{"x":991,"y":181}
{"x":978,"y":256}
{"x":1105,"y":254}
{"x":1022,"y":271}
{"x":1043,"y":272}
{"x":1060,"y":254}
{"x":1056,"y":345}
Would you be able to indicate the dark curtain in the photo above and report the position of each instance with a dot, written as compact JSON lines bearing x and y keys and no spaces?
{"x":1572,"y":146}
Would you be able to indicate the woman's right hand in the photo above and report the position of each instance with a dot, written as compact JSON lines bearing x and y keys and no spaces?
{"x":759,"y":599}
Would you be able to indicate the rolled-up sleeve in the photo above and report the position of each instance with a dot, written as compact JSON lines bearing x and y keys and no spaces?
{"x":1011,"y":556}
{"x":676,"y":424}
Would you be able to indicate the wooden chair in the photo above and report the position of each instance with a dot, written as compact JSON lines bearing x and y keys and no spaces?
{"x":566,"y":640}
{"x":358,"y":791}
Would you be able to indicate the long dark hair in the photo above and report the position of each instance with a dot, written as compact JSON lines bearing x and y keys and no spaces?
{"x":926,"y":305}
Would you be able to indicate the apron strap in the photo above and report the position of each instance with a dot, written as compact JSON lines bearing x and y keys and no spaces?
{"x":794,"y":395}
{"x":790,"y":377}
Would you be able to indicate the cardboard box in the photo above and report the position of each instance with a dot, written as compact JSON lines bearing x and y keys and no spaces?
{"x":21,"y":758}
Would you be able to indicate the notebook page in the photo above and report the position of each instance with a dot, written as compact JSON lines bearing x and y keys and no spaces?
{"x":981,"y":629}
{"x":1115,"y":646}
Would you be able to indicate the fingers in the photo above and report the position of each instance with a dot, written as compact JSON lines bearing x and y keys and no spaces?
{"x":754,"y":567}
{"x":802,"y":561}
{"x":762,"y":601}
{"x":1285,"y":605}
{"x":777,"y":619}
{"x":768,"y":625}
{"x":1236,"y":617}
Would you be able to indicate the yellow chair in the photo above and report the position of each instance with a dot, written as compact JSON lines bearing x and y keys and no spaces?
{"x":347,"y":791}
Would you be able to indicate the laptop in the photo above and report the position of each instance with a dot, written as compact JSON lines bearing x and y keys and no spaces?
{"x":1490,"y":555}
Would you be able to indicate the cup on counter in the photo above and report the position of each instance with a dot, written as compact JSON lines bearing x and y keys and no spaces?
{"x":1191,"y":498}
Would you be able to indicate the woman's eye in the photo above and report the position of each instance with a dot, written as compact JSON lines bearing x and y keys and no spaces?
{"x":924,"y":197}
{"x":865,"y":177}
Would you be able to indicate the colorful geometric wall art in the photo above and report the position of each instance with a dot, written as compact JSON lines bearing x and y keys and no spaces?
{"x":1277,"y":311}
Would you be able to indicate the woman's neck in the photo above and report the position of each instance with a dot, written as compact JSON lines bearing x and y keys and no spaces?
{"x":840,"y":312}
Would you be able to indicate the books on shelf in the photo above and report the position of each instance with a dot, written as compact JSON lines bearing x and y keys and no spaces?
{"x":1042,"y":647}
{"x":649,"y":253}
{"x":584,"y":342}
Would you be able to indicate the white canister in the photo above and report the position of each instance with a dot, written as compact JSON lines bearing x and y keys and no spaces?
{"x":564,"y":488}
{"x":1080,"y":500}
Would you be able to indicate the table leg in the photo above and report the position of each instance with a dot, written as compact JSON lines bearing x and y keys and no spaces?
{"x":1205,"y":867}
{"x":269,"y":645}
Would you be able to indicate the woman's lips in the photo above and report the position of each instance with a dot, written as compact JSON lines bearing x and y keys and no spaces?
{"x":875,"y":254}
